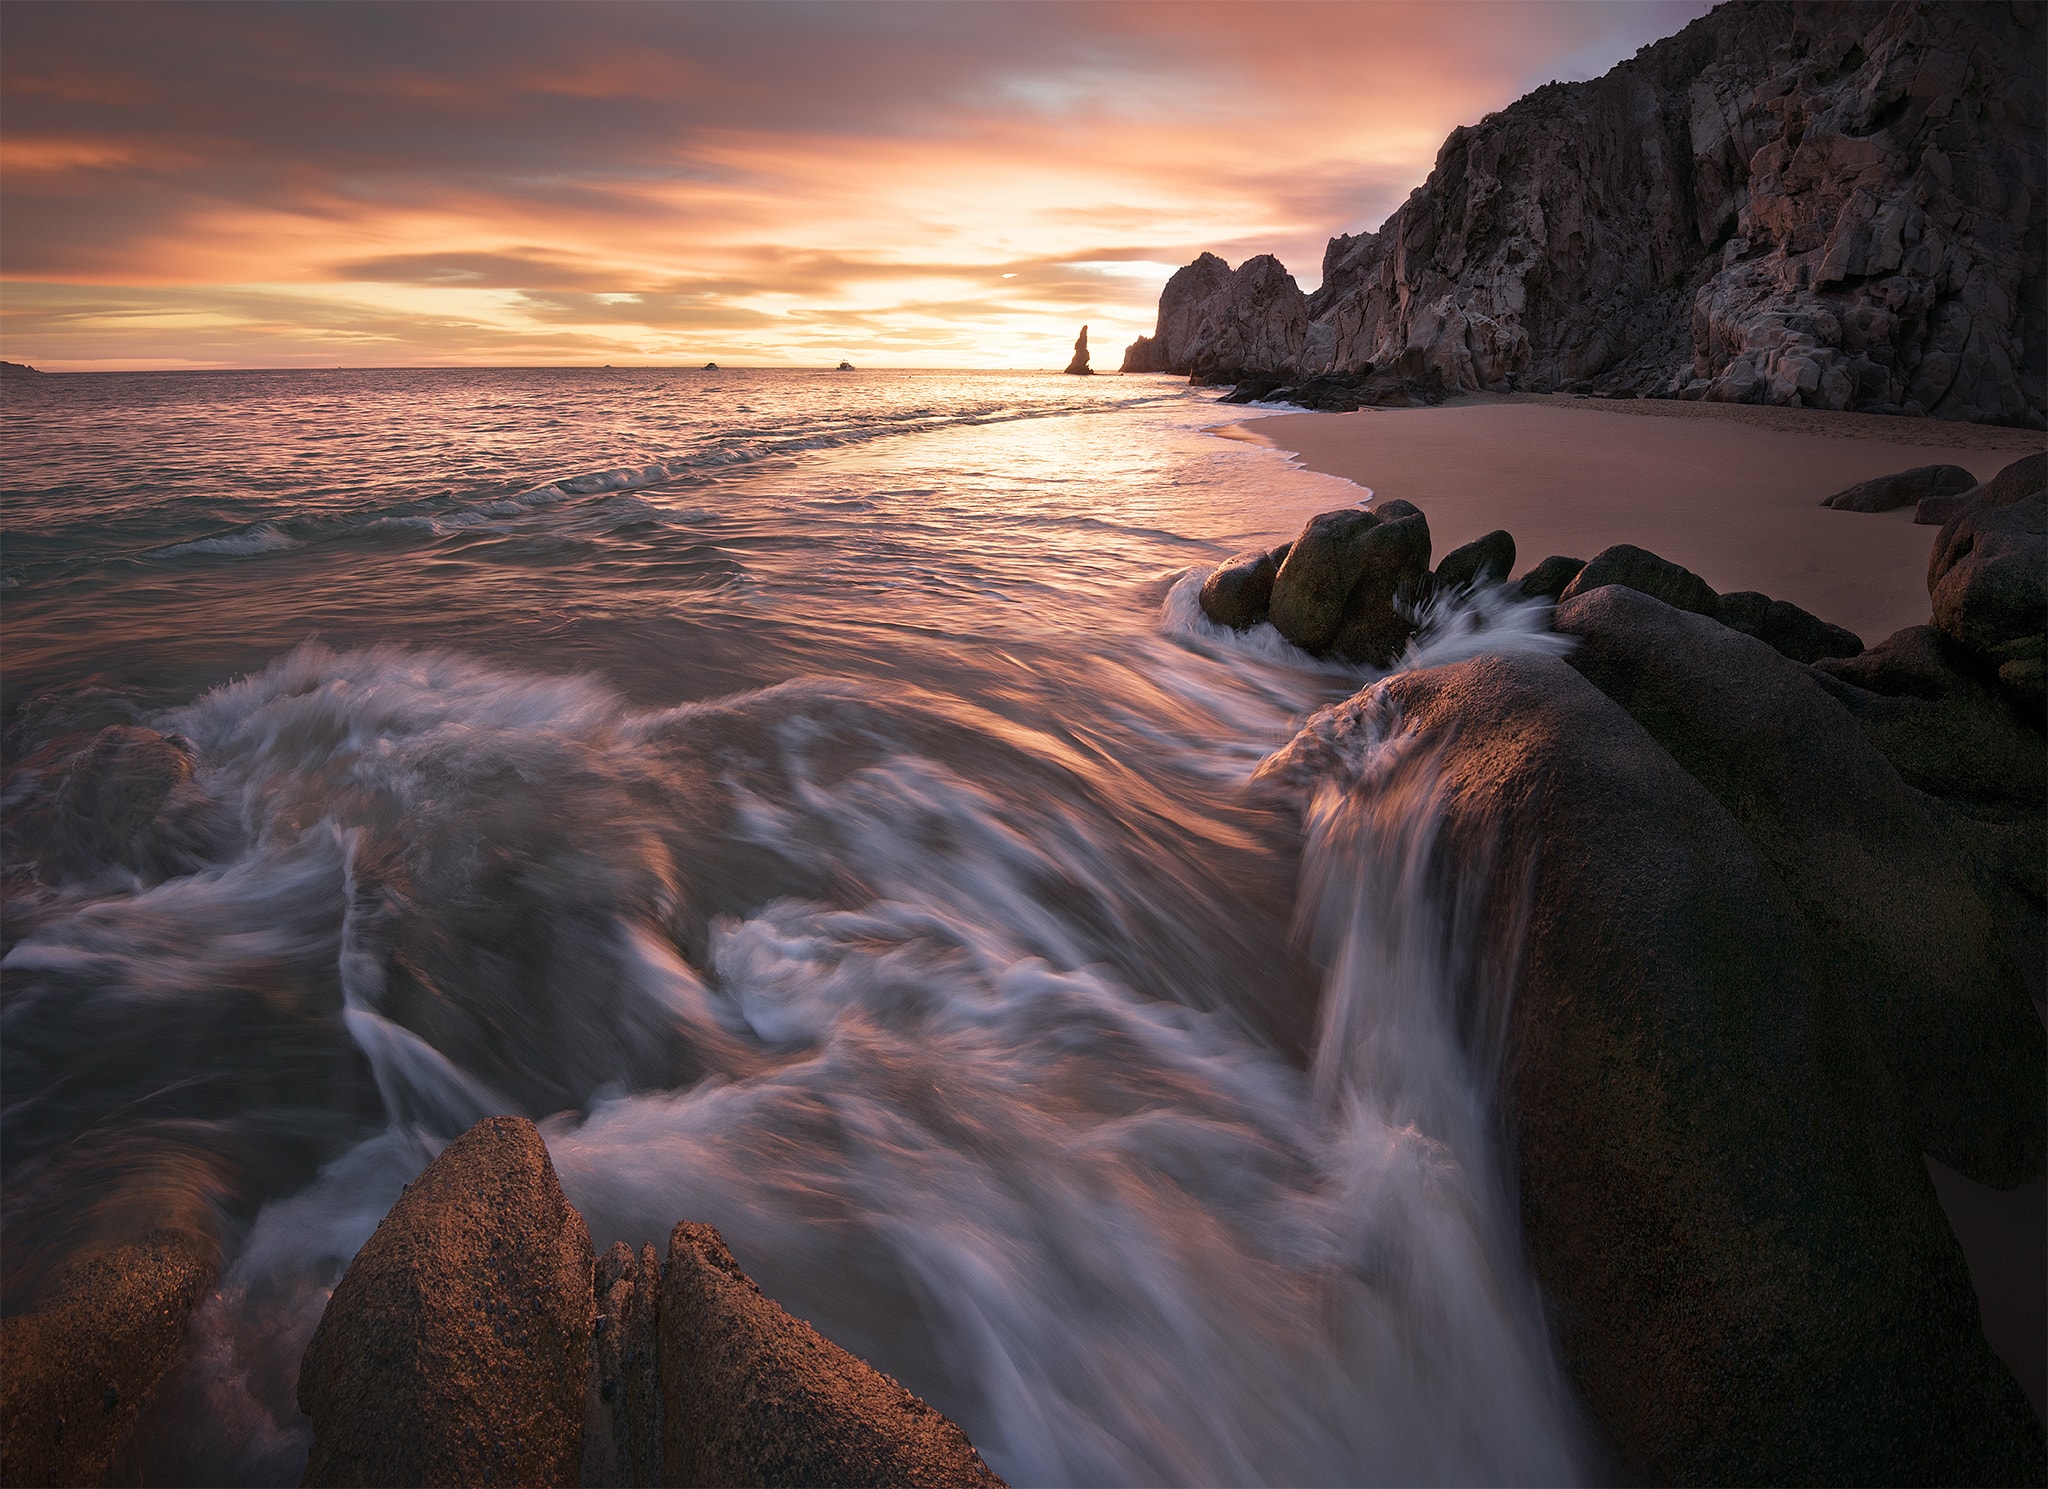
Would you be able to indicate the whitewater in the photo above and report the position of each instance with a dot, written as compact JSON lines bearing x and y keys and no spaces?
{"x":818,"y":801}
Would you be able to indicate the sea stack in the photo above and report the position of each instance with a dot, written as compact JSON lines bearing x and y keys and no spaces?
{"x":1079,"y":366}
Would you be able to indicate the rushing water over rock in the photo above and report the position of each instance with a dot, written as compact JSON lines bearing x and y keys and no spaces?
{"x":858,"y":854}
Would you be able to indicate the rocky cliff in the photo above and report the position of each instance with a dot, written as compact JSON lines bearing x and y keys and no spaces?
{"x":1815,"y":204}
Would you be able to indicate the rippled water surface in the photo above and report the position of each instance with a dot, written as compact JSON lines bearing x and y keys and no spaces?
{"x":815,"y":798}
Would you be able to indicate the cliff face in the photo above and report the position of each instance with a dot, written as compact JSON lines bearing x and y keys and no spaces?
{"x":1828,"y":205}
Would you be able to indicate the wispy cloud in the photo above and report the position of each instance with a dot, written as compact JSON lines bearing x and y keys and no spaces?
{"x":931,"y":184}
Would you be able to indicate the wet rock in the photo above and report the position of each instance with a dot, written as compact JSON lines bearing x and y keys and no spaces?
{"x":1750,"y":1278}
{"x":1642,"y":570}
{"x":1945,"y":729}
{"x":1910,"y":946}
{"x":1551,"y":578}
{"x":456,"y":1347}
{"x":2016,"y":482}
{"x":126,"y":799}
{"x":751,"y":1395}
{"x":1393,"y":570}
{"x":1079,"y":367}
{"x":1239,"y":591}
{"x":75,"y":1371}
{"x":1798,"y":634}
{"x":1311,"y":586}
{"x":1393,"y":511}
{"x":622,"y":1409}
{"x":1906,"y":488}
{"x":1988,"y":579}
{"x":1486,"y":560}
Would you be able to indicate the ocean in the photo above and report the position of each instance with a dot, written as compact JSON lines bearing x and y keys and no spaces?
{"x":817,"y":799}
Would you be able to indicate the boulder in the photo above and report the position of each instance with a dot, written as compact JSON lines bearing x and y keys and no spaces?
{"x":1311,"y":586}
{"x":1551,"y":578}
{"x":1393,"y":570}
{"x":1391,"y":511}
{"x":1945,"y":729}
{"x":1642,"y":570}
{"x":1798,"y":634}
{"x":1988,"y":579}
{"x":1749,"y":1275}
{"x":76,"y":1370}
{"x":456,"y":1347}
{"x":1911,"y":947}
{"x":1238,"y":593}
{"x":751,"y":1395}
{"x":622,"y":1407}
{"x":1906,"y":488}
{"x":1486,"y":560}
{"x":124,"y":798}
{"x":2021,"y":479}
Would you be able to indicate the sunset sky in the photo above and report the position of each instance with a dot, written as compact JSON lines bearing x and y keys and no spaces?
{"x":915,"y":185}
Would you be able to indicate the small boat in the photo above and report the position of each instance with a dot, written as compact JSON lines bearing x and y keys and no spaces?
{"x":846,"y":367}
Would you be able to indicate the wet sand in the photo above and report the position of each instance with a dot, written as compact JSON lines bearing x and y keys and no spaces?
{"x":1732,"y":492}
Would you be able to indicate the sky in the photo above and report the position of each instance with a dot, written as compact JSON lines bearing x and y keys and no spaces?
{"x":938,"y":184}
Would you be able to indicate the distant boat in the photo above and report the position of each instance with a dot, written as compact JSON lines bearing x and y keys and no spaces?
{"x":711,"y":367}
{"x":846,"y":367}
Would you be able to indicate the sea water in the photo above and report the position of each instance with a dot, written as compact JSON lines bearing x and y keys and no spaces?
{"x":818,"y":801}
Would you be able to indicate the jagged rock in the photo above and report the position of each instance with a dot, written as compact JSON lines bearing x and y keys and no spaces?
{"x":1393,"y":569}
{"x":2016,"y":482}
{"x":1484,"y":560}
{"x":1988,"y":579}
{"x":1079,"y":366}
{"x":1945,"y":730}
{"x":1341,"y":393}
{"x":751,"y":1395}
{"x":1911,"y":947}
{"x":622,"y":1407}
{"x":1239,"y":591}
{"x":1906,"y":488}
{"x":1310,"y":587}
{"x":1223,"y":322}
{"x":1799,"y":634}
{"x":1551,"y":578}
{"x":1824,"y":205}
{"x":1640,"y":569}
{"x":456,"y":1347}
{"x":1749,"y":1276}
{"x":76,"y":1370}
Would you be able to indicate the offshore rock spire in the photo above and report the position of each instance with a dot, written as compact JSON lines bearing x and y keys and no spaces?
{"x":1079,"y":366}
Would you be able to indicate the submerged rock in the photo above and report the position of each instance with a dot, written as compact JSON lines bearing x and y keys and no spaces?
{"x":1642,"y":570}
{"x":1750,"y":1276}
{"x":456,"y":1346}
{"x":1906,"y":488}
{"x":751,"y":1395}
{"x":76,"y":1370}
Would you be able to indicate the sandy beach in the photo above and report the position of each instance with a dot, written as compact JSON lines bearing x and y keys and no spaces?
{"x":1731,"y":491}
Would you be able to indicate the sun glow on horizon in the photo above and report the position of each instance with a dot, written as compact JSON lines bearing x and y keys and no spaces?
{"x":770,"y":185}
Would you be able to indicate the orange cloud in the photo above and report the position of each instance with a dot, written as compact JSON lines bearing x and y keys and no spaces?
{"x":901,"y":184}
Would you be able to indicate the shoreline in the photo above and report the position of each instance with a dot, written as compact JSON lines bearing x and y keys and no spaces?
{"x":1731,"y":491}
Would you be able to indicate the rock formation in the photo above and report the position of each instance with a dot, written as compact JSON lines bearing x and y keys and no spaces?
{"x":1079,"y":366}
{"x":76,"y":1370}
{"x":475,"y":1340}
{"x":1823,"y":205}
